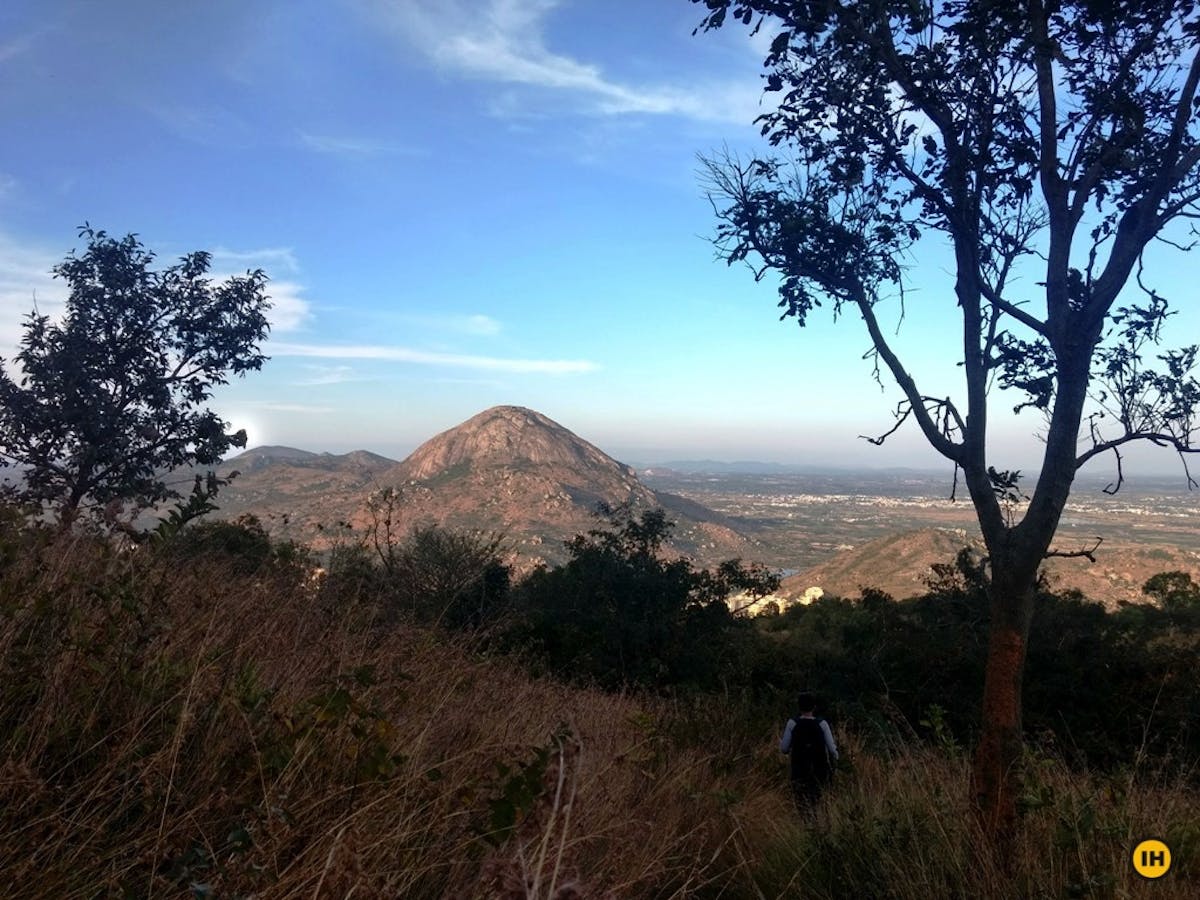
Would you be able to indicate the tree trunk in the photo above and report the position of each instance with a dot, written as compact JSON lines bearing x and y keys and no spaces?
{"x":996,"y":775}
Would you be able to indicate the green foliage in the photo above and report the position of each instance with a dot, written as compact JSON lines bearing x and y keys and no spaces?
{"x":1052,"y":140}
{"x":453,"y":578}
{"x":517,"y":790}
{"x":618,"y":613}
{"x":437,"y":575}
{"x":364,"y":735}
{"x":916,"y":667}
{"x":198,"y":503}
{"x":113,"y":397}
{"x":1176,"y":591}
{"x":242,"y":545}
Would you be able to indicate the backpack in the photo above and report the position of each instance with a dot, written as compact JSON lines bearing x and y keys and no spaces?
{"x":810,"y":756}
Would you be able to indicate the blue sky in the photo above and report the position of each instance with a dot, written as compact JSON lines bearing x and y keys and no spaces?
{"x":460,"y":204}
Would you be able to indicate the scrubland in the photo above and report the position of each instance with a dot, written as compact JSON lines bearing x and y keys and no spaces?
{"x":186,"y":725}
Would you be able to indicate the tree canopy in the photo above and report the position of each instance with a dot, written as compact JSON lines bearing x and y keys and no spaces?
{"x":1047,"y":145}
{"x":106,"y":401}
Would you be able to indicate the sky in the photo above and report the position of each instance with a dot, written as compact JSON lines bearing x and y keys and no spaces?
{"x":459,"y":204}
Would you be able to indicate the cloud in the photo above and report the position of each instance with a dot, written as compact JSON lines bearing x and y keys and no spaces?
{"x":503,"y":41}
{"x":272,"y":259}
{"x":25,"y":280}
{"x":476,"y":324}
{"x":323,"y":375}
{"x":347,"y":145}
{"x":289,"y":310}
{"x":206,"y":124}
{"x":19,"y":45}
{"x":423,"y":357}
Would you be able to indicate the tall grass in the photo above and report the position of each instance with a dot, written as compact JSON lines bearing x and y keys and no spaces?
{"x":173,"y":729}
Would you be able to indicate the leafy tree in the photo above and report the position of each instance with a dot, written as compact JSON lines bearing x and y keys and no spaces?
{"x":112,"y":397}
{"x":1174,"y":590}
{"x":453,"y":578}
{"x":619,"y":614}
{"x":1046,"y":144}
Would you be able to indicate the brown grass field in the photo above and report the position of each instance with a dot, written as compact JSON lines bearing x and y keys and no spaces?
{"x":182,"y":730}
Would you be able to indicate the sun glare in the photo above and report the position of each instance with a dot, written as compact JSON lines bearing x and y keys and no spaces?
{"x":239,"y":419}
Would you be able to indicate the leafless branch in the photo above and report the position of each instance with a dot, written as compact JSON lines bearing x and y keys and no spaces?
{"x":903,"y":411}
{"x":1088,"y":553}
{"x":1158,"y":438}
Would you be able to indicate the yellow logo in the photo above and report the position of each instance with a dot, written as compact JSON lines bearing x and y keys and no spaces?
{"x":1152,"y":858}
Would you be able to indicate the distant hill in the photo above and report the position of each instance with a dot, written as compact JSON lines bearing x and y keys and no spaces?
{"x":258,"y":458}
{"x":896,"y":564}
{"x":299,"y":494}
{"x":515,"y":470}
{"x":507,"y":469}
{"x":899,"y":564}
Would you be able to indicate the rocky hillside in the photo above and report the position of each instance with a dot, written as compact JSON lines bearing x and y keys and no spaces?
{"x":298,"y":494}
{"x":900,"y":563}
{"x":514,"y":470}
{"x":508,"y":469}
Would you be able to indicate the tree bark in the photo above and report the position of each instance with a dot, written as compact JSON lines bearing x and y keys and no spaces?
{"x":996,"y":774}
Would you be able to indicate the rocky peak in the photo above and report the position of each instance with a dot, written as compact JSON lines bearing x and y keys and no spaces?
{"x":507,"y":436}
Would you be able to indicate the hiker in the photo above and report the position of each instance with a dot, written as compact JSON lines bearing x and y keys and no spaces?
{"x":813,"y":753}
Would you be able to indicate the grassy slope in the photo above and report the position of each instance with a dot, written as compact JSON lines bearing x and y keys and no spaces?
{"x":176,"y":730}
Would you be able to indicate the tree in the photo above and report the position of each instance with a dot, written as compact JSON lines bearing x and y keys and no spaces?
{"x":1173,"y":590}
{"x":619,"y":614}
{"x":1050,"y":140}
{"x":112,"y":397}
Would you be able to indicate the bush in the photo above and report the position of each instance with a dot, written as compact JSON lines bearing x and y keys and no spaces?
{"x":619,"y":614}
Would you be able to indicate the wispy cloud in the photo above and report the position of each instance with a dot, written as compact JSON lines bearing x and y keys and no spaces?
{"x":272,"y":259}
{"x":19,"y":45}
{"x":476,"y":324}
{"x":206,"y":124}
{"x":290,"y":310}
{"x":504,"y":41}
{"x":353,"y":146}
{"x":324,"y":375}
{"x":25,"y":280}
{"x":429,"y":358}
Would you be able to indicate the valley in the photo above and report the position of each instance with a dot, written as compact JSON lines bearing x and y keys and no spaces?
{"x":814,"y":524}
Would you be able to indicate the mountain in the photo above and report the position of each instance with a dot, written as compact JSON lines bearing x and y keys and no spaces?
{"x":514,"y":470}
{"x":896,"y":564}
{"x":507,"y":469}
{"x":299,"y":494}
{"x":899,"y":564}
{"x":259,"y":458}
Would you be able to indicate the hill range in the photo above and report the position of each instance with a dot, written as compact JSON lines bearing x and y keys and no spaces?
{"x":899,"y":564}
{"x":508,"y":469}
{"x":513,"y":470}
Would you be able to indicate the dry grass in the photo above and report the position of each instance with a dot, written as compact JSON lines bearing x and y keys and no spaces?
{"x":178,"y":731}
{"x":899,"y":825}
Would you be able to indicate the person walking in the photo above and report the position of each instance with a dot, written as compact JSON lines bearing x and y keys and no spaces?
{"x":809,"y":742}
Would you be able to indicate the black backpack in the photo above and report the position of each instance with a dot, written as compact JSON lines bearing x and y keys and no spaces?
{"x":810,"y":756}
